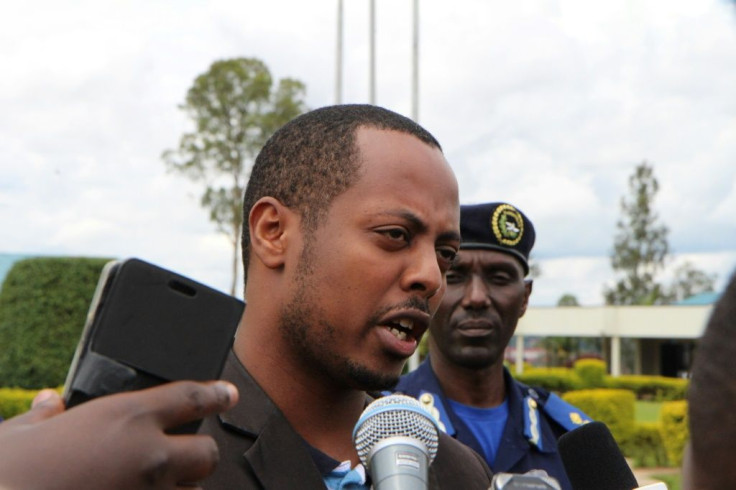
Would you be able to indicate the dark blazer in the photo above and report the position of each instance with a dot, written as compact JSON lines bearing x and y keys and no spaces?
{"x":260,"y":450}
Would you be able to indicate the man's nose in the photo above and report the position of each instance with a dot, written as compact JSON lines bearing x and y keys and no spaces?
{"x":476,"y":293}
{"x":424,"y":273}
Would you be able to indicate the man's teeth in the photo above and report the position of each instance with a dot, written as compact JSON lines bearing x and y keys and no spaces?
{"x":406,"y":323}
{"x":401,"y":335}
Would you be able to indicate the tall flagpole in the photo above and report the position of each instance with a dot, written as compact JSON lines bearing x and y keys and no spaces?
{"x":414,"y":359}
{"x":415,"y":65}
{"x":372,"y":54}
{"x":338,"y":56}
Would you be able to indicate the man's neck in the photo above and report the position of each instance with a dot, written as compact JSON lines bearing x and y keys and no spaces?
{"x":478,"y":387}
{"x":317,"y":410}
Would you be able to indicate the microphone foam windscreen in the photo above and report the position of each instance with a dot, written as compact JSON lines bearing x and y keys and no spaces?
{"x":394,"y":416}
{"x":593,"y":460}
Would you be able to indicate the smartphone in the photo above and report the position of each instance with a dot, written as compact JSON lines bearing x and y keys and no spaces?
{"x":147,"y":326}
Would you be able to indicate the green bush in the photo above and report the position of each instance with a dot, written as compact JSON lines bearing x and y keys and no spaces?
{"x":592,"y":372}
{"x":14,"y":401}
{"x":655,"y":388}
{"x":673,"y":427}
{"x":643,"y":445}
{"x":43,"y":306}
{"x":615,"y":408}
{"x":559,"y":380}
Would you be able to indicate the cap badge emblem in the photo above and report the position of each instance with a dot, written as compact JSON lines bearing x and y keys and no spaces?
{"x":507,"y":225}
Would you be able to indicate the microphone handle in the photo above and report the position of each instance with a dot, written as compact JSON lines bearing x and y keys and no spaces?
{"x":399,"y":463}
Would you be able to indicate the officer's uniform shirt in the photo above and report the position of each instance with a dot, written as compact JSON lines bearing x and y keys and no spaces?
{"x":536,"y":418}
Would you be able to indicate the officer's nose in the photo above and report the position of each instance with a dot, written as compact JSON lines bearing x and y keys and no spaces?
{"x":476,"y":293}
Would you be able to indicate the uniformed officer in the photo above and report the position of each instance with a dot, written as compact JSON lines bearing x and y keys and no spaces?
{"x":463,"y":382}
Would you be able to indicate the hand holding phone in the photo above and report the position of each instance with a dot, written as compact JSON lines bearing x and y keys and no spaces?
{"x":147,"y":326}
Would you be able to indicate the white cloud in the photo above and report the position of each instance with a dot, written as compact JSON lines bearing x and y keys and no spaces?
{"x":547,"y":104}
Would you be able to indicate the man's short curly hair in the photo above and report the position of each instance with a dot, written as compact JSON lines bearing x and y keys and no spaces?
{"x":314,"y":158}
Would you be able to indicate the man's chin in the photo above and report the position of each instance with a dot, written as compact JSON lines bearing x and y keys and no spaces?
{"x":476,"y":360}
{"x":371,"y":380}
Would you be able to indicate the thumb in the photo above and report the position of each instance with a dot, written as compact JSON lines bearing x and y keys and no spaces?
{"x":46,"y":403}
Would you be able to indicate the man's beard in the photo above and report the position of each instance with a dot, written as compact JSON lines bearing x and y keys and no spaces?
{"x":313,"y":339}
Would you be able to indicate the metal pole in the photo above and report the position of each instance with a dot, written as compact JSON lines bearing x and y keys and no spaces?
{"x":372,"y":56}
{"x":338,"y":56}
{"x":414,"y":359}
{"x":415,"y":65}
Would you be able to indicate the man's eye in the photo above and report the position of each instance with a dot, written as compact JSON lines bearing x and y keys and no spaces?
{"x":499,"y":278}
{"x":454,"y":277}
{"x":447,"y":255}
{"x":396,"y":234}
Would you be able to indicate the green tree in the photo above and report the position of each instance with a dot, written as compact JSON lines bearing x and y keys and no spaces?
{"x":640,"y":244}
{"x":235,"y":107}
{"x":641,"y":251}
{"x":689,"y":281}
{"x":568,"y":299}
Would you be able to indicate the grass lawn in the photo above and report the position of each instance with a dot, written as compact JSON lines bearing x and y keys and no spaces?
{"x":647,"y":411}
{"x":673,"y":482}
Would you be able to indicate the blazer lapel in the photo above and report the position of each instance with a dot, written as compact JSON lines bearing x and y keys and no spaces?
{"x":277,"y":455}
{"x":280,"y":459}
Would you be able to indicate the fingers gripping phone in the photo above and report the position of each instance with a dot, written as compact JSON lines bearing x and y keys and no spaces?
{"x":147,"y":326}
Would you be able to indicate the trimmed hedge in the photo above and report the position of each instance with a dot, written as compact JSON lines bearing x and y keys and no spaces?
{"x":14,"y":401}
{"x":591,"y":372}
{"x":615,"y":408}
{"x":658,"y":443}
{"x":43,"y":306}
{"x":644,"y":445}
{"x":656,"y":388}
{"x":557,"y":379}
{"x":673,"y":428}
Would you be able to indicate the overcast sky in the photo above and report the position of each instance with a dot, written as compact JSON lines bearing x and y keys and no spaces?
{"x":549,"y":105}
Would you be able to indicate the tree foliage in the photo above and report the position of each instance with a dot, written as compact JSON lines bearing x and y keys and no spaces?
{"x":689,"y":281}
{"x":235,"y":107}
{"x":640,"y":245}
{"x":568,"y":299}
{"x":641,"y":251}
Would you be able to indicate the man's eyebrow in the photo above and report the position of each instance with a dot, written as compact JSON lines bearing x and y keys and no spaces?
{"x":412,"y":218}
{"x":450,"y":236}
{"x":421,"y":226}
{"x":505,"y":267}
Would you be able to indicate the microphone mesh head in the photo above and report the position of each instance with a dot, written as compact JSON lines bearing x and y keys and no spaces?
{"x":394,"y":416}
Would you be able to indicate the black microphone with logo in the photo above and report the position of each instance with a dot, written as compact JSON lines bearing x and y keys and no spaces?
{"x":593,"y":460}
{"x":397,"y":440}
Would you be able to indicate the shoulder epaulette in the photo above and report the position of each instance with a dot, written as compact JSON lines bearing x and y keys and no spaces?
{"x":568,"y":416}
{"x":433,"y":404}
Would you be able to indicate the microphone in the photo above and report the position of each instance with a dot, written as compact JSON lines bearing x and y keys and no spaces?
{"x":531,"y":480}
{"x":593,"y":460}
{"x":396,"y":439}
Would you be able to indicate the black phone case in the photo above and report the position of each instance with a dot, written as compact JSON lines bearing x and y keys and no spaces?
{"x":147,"y":326}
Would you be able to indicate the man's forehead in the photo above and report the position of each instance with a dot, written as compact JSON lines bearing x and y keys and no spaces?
{"x":467,"y":256}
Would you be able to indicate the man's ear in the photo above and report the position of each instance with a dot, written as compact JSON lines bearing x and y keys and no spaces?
{"x":269,"y":220}
{"x":528,"y":285}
